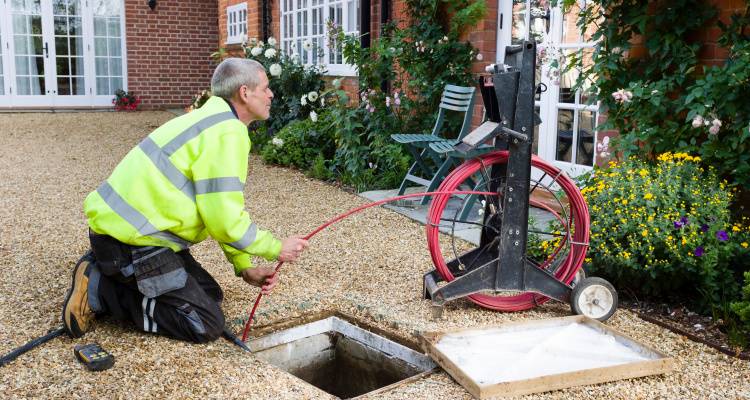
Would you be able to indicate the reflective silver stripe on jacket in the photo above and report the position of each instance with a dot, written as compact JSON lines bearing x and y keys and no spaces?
{"x":134,"y":217}
{"x":164,"y":164}
{"x":216,"y":185}
{"x":247,"y":239}
{"x":195,"y":130}
{"x":160,"y":155}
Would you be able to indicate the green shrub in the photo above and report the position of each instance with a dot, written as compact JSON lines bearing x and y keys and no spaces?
{"x":675,"y":102}
{"x":742,"y":309}
{"x":300,"y":143}
{"x":290,"y":81}
{"x":665,"y":230}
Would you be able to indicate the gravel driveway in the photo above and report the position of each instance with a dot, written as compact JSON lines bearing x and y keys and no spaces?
{"x":369,"y":266}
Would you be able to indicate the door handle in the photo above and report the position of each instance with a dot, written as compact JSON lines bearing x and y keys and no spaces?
{"x":46,"y":50}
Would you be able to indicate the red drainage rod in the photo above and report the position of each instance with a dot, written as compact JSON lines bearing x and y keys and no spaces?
{"x":344,"y":215}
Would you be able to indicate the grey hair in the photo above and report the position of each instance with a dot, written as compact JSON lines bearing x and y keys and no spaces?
{"x":232,"y":73}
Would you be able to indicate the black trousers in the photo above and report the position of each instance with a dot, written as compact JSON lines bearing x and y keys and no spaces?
{"x":192,"y":312}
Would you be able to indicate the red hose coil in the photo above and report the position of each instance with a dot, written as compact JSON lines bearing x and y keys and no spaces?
{"x":579,"y":220}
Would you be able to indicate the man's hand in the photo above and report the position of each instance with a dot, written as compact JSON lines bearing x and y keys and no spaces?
{"x":291,"y":248}
{"x":262,"y":277}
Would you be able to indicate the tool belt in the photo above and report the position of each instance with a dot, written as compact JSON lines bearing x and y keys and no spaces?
{"x":154,"y":270}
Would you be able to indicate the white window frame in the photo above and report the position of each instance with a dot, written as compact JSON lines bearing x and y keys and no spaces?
{"x":236,"y":23}
{"x":308,"y":11}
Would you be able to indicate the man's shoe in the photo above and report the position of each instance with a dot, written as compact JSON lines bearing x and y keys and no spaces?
{"x":77,"y":315}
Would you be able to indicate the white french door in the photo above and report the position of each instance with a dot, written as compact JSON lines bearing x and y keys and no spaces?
{"x":61,"y":53}
{"x":567,"y":136}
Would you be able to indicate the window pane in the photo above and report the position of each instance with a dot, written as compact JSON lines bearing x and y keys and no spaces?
{"x":115,"y":83}
{"x":565,"y":124}
{"x":79,"y":87}
{"x":115,"y":66}
{"x":37,"y":85}
{"x":63,"y":66}
{"x":113,"y":27}
{"x":61,"y":46}
{"x":114,"y":47}
{"x":102,"y":66}
{"x":585,"y":151}
{"x":76,"y":66}
{"x":61,"y":26}
{"x":100,"y":46}
{"x":58,"y":7}
{"x":23,"y":85}
{"x":20,"y":24}
{"x":63,"y":85}
{"x":22,"y":65}
{"x":75,"y":26}
{"x":100,"y":26}
{"x":352,"y":8}
{"x":21,"y":44}
{"x":102,"y":86}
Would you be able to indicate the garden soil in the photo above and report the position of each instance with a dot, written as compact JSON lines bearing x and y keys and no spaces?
{"x":369,"y":266}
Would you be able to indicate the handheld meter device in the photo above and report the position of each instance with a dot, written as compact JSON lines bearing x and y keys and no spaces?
{"x":94,"y":357}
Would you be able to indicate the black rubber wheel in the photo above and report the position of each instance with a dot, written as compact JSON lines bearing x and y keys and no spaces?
{"x":595,"y":298}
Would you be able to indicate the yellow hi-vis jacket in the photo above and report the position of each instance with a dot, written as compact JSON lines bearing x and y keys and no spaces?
{"x":182,"y":183}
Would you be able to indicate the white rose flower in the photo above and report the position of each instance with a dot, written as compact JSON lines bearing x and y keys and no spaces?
{"x":322,"y":101}
{"x":270,"y":53}
{"x":480,"y":57}
{"x":337,"y":83}
{"x":276,"y":141}
{"x":307,"y":45}
{"x":697,"y":121}
{"x":312,"y":95}
{"x":272,"y":41}
{"x":275,"y":69}
{"x":303,"y":100}
{"x":256,"y":51}
{"x":314,"y":116}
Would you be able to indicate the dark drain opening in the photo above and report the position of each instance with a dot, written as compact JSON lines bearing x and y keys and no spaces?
{"x":340,"y":358}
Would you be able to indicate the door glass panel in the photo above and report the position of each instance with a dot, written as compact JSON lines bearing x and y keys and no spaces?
{"x":108,"y":46}
{"x":565,"y":127}
{"x":518,"y":24}
{"x":69,"y":38}
{"x":29,"y":50}
{"x":585,"y":139}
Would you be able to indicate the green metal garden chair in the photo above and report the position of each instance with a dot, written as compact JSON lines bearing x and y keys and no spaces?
{"x":430,"y":167}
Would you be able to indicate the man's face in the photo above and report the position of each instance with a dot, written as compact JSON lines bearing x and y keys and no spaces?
{"x":258,"y":101}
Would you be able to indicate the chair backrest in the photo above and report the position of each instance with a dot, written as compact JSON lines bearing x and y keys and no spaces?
{"x":456,"y":98}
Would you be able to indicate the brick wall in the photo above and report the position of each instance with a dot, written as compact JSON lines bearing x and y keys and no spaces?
{"x":711,"y":53}
{"x":168,"y":50}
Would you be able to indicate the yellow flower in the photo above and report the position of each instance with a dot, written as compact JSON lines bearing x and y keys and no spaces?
{"x":643,"y":172}
{"x":735,"y":228}
{"x":624,"y":202}
{"x":744,"y":244}
{"x":648,"y":196}
{"x":645,"y":232}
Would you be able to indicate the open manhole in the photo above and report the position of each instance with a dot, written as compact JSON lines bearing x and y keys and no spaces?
{"x":340,"y":358}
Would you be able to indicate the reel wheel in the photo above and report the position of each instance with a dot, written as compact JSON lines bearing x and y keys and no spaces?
{"x":595,"y":298}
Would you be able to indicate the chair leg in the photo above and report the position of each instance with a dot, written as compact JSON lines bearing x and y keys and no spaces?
{"x":438,"y":178}
{"x":405,"y":181}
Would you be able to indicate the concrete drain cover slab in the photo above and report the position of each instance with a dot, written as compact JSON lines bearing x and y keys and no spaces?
{"x":340,"y":358}
{"x":538,"y":356}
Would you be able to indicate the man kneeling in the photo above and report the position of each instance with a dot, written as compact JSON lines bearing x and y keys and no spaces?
{"x":182,"y":183}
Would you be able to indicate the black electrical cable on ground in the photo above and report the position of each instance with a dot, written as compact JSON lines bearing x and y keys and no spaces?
{"x":30,"y":345}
